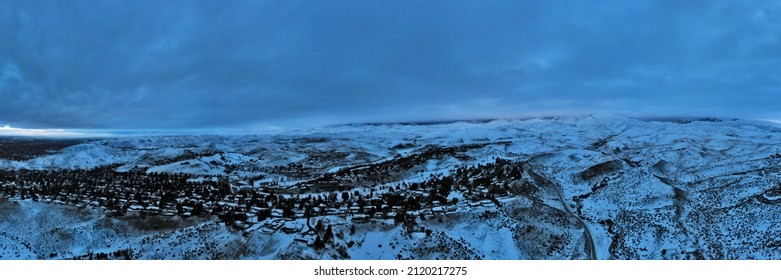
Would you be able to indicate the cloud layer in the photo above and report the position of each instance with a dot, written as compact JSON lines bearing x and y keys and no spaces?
{"x":245,"y":64}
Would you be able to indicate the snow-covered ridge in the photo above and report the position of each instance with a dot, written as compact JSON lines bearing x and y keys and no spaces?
{"x":529,"y":137}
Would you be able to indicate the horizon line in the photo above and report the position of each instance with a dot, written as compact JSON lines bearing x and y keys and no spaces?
{"x":65,"y":133}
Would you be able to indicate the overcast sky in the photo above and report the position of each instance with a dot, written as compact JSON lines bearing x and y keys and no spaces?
{"x":251,"y":65}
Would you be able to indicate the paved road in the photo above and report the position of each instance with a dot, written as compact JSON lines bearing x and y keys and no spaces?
{"x":590,"y":244}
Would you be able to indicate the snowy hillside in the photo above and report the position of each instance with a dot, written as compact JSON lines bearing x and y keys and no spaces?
{"x":593,"y":187}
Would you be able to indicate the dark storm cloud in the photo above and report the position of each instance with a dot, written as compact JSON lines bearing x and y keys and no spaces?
{"x":210,"y":64}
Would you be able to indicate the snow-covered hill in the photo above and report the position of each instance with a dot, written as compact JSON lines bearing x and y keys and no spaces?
{"x":583,"y":187}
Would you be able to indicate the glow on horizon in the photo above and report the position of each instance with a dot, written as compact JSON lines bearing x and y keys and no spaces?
{"x":778,"y":121}
{"x":7,"y":130}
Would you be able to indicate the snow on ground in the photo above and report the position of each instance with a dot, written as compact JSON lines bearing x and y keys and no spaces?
{"x":36,"y":230}
{"x":646,"y":189}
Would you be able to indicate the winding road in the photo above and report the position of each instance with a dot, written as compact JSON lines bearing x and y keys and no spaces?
{"x":590,"y":248}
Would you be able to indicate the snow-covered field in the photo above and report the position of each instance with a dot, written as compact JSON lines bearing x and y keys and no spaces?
{"x":634,"y":189}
